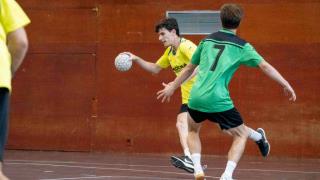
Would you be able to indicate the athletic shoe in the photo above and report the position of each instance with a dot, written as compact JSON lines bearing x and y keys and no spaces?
{"x":183,"y":162}
{"x":263,"y":143}
{"x":199,"y":176}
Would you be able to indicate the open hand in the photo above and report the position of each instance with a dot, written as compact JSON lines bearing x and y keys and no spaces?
{"x":166,"y":92}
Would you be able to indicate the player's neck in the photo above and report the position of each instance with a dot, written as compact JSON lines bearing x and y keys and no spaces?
{"x":232,"y":30}
{"x":176,"y":43}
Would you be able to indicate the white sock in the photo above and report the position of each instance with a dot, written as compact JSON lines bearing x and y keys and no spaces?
{"x":196,"y":159}
{"x":187,"y":152}
{"x":254,"y":135}
{"x":231,"y":165}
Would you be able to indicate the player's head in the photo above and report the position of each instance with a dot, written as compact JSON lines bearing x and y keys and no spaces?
{"x":168,"y":30}
{"x":231,"y":15}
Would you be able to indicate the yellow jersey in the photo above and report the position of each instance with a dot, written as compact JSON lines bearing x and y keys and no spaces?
{"x":12,"y":17}
{"x":178,"y":59}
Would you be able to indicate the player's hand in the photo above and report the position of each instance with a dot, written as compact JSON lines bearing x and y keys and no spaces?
{"x":166,"y":92}
{"x":290,"y":92}
{"x":132,"y":56}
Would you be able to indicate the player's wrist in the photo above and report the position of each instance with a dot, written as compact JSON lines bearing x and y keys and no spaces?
{"x":285,"y":85}
{"x":174,"y":85}
{"x":135,"y":58}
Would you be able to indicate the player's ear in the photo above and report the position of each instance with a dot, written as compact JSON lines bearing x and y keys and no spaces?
{"x":174,"y":31}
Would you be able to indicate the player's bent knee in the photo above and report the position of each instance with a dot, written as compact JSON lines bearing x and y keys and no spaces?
{"x":194,"y":128}
{"x":239,"y":132}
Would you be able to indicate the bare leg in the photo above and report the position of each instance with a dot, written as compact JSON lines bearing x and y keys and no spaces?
{"x":193,"y":136}
{"x":183,"y":162}
{"x":182,"y":126}
{"x":240,"y":135}
{"x":195,"y":147}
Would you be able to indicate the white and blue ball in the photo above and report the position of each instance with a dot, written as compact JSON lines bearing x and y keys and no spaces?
{"x":123,"y":62}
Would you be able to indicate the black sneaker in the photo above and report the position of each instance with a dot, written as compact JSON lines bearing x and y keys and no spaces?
{"x":183,"y":162}
{"x":263,"y":143}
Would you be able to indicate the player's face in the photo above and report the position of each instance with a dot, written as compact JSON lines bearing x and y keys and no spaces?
{"x":166,"y":36}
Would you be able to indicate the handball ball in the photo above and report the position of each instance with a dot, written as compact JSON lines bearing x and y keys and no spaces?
{"x":123,"y":62}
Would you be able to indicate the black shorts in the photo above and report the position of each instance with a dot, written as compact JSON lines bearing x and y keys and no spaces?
{"x":4,"y":113}
{"x":226,"y":119}
{"x":183,"y":108}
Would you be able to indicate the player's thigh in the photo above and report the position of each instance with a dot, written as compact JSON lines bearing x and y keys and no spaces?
{"x":182,"y":120}
{"x":227,"y":119}
{"x":182,"y":115}
{"x":192,"y":124}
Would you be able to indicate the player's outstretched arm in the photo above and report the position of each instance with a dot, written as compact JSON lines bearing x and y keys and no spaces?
{"x":148,"y":66}
{"x":275,"y":75}
{"x":194,"y":73}
{"x":169,"y":88}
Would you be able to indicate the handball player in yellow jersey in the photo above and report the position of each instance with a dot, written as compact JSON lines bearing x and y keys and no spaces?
{"x":177,"y":55}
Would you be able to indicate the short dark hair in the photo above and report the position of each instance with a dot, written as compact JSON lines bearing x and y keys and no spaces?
{"x":231,"y":15}
{"x":169,"y":24}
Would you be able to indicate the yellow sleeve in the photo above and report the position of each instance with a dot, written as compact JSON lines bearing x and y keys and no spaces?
{"x":163,"y":61}
{"x":188,"y":48}
{"x":12,"y":16}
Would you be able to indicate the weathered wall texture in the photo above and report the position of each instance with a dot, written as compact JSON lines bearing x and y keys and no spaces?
{"x":68,"y":95}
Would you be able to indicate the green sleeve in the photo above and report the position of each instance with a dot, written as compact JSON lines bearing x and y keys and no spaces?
{"x":196,"y":55}
{"x":250,"y":57}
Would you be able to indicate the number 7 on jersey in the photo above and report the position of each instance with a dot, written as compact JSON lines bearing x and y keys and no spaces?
{"x":215,"y":62}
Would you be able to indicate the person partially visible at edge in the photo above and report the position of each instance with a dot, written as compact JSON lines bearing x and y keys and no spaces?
{"x":13,"y":48}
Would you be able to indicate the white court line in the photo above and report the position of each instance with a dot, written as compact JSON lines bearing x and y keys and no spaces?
{"x":281,"y":171}
{"x":74,"y":162}
{"x":101,"y":168}
{"x":115,"y":177}
{"x":71,"y":162}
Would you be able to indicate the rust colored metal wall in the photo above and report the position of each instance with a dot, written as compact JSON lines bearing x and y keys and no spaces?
{"x":68,"y":95}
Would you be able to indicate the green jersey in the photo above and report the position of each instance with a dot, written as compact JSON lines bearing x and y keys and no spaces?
{"x":219,"y":55}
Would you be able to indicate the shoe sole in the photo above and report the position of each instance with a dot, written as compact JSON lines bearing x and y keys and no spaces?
{"x":265,"y":137}
{"x":201,"y":177}
{"x":176,"y":162}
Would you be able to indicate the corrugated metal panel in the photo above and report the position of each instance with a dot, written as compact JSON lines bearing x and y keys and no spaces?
{"x":197,"y":22}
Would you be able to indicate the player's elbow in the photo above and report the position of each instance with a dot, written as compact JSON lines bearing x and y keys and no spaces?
{"x":18,"y":40}
{"x":23,"y":44}
{"x":155,"y":69}
{"x":264,"y":66}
